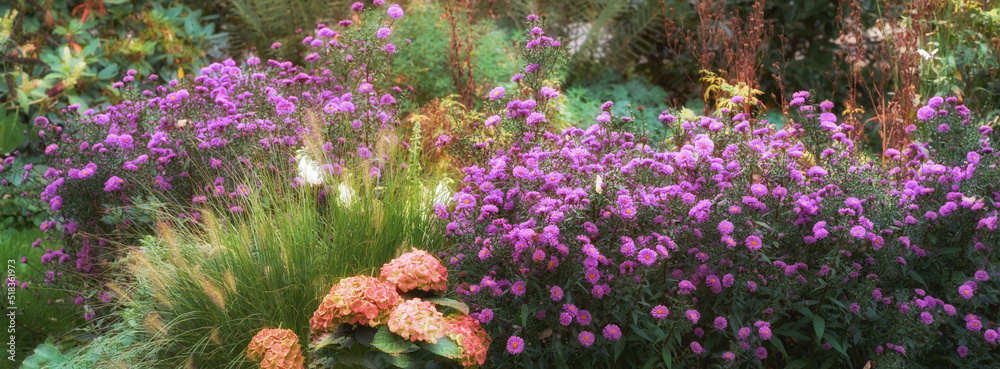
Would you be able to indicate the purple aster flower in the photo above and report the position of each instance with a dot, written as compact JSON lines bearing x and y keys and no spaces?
{"x":485,"y":316}
{"x":927,"y":318}
{"x":764,"y":332}
{"x":586,"y":338}
{"x":113,"y":184}
{"x":982,"y":276}
{"x":966,"y":291}
{"x":761,"y":353}
{"x":974,"y":325}
{"x":758,"y":189}
{"x":556,"y":293}
{"x":720,"y":323}
{"x":613,"y":333}
{"x":925,"y":113}
{"x":728,"y":356}
{"x":858,"y":232}
{"x":725,"y":227}
{"x":565,"y":319}
{"x":518,"y":288}
{"x":693,"y":315}
{"x":497,"y":93}
{"x":515,"y":345}
{"x":963,"y":351}
{"x":535,"y":117}
{"x":753,"y":243}
{"x":394,"y":11}
{"x":743,"y":333}
{"x":583,"y":317}
{"x":990,"y":336}
{"x":357,"y":7}
{"x":660,"y":312}
{"x":696,"y":347}
{"x":647,"y":257}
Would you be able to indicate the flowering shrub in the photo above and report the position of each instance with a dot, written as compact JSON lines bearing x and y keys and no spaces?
{"x":109,"y":172}
{"x":733,"y":242}
{"x":393,"y":330}
{"x":277,"y":349}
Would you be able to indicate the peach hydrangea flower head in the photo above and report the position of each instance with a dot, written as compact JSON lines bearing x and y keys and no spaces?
{"x":417,"y":320}
{"x":276,"y":349}
{"x":416,"y":270}
{"x":470,"y":337}
{"x":355,"y":300}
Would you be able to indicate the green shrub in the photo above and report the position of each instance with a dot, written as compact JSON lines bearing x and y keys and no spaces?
{"x":61,"y":54}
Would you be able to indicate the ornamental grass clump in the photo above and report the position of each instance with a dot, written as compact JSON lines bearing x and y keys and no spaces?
{"x":732,"y":242}
{"x":173,"y":146}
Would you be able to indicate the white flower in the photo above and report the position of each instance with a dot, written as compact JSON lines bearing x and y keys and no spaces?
{"x":346,"y":194}
{"x":598,"y":184}
{"x":309,"y":171}
{"x":927,"y":55}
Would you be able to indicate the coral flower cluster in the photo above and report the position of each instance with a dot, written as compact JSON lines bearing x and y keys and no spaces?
{"x":277,"y":349}
{"x":416,"y":270}
{"x":355,"y":300}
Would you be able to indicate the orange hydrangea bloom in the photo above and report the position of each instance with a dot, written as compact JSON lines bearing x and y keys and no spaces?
{"x":416,"y":270}
{"x":417,"y":320}
{"x":471,"y":337}
{"x":355,"y":300}
{"x":277,"y":349}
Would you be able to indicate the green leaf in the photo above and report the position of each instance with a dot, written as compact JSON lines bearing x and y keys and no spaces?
{"x":402,"y":360}
{"x":836,"y":344}
{"x":667,"y":355}
{"x":619,"y":347}
{"x":50,"y":353}
{"x":777,"y":343}
{"x":444,"y":347}
{"x":452,"y":303}
{"x":389,"y":342}
{"x":819,"y":325}
{"x":108,"y":72}
{"x":365,"y":335}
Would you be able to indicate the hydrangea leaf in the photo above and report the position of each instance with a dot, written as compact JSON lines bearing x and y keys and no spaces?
{"x":389,"y":342}
{"x":454,"y":304}
{"x":444,"y":347}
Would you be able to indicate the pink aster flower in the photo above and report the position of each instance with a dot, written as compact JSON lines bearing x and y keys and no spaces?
{"x":394,"y":11}
{"x":660,"y":312}
{"x":753,"y":243}
{"x":612,"y":332}
{"x":647,"y":257}
{"x":515,"y":345}
{"x":966,"y":291}
{"x":556,"y":293}
{"x":586,"y":338}
{"x":693,"y":315}
{"x":696,"y":347}
{"x":720,"y":323}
